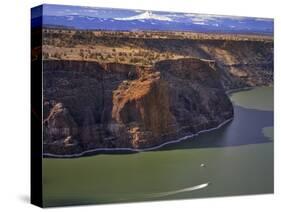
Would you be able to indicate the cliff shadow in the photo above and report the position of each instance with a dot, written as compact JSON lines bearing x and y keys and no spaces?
{"x":245,"y":128}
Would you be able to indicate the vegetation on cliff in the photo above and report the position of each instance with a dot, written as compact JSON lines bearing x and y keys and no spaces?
{"x":242,"y":60}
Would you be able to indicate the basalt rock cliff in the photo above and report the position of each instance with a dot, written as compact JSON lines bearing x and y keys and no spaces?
{"x":240,"y":63}
{"x":89,"y":105}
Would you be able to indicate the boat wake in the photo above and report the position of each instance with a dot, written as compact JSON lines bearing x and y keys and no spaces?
{"x":188,"y":189}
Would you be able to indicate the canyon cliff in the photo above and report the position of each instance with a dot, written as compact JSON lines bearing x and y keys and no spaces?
{"x":137,"y":90}
{"x":89,"y":105}
{"x":240,"y":64}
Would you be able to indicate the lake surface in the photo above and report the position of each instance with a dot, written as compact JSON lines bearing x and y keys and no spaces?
{"x":236,"y":159}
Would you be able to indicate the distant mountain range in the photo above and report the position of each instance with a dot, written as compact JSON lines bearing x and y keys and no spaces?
{"x":133,"y":20}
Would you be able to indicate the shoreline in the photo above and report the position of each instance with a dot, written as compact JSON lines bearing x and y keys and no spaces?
{"x":231,"y":91}
{"x":50,"y":155}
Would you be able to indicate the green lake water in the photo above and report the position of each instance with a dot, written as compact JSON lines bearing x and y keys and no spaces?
{"x":260,"y":98}
{"x":236,"y":159}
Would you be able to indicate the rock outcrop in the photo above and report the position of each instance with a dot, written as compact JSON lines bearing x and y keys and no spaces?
{"x":143,"y":107}
{"x":60,"y":131}
{"x":89,"y":105}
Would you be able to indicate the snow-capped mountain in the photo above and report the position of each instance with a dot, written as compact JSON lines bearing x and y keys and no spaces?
{"x":146,"y":15}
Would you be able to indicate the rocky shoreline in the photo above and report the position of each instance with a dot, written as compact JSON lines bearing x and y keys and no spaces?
{"x":100,"y":150}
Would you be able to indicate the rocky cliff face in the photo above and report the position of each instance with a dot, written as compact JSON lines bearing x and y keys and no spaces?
{"x":241,"y":60}
{"x":89,"y":105}
{"x":240,"y":63}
